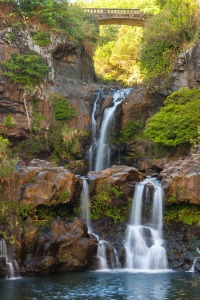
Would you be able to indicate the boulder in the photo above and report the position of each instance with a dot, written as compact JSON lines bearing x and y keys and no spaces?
{"x":41,"y":183}
{"x":121,"y":176}
{"x":63,"y":247}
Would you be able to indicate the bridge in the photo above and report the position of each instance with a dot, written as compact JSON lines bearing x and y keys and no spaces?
{"x":108,"y":16}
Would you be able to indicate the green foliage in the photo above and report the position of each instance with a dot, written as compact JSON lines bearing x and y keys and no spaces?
{"x":10,"y":36}
{"x":61,"y":109}
{"x":27,"y":69}
{"x":42,"y":38}
{"x":7,"y":163}
{"x":177,"y":122}
{"x":8,"y":209}
{"x":165,"y":36}
{"x":125,"y":135}
{"x":36,"y":124}
{"x":102,"y":205}
{"x":62,"y":197}
{"x":118,"y":59}
{"x":31,"y":5}
{"x":9,"y":122}
{"x":185,"y":213}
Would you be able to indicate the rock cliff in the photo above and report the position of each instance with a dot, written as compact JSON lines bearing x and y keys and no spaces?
{"x":70,"y":68}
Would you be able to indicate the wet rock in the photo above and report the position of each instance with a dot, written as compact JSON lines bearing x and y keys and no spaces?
{"x":4,"y":271}
{"x":63,"y":247}
{"x":41,"y":183}
{"x":121,"y":176}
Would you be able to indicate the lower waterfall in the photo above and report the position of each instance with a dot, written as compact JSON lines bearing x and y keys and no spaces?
{"x":103,"y":246}
{"x":11,"y":266}
{"x":144,"y":242}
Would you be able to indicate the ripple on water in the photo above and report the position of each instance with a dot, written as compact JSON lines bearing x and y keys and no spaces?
{"x":115,"y":285}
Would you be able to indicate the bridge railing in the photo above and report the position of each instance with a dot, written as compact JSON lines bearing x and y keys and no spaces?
{"x":105,"y":11}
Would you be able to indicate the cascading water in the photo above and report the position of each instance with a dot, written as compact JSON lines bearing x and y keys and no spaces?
{"x":11,"y":266}
{"x":103,"y":246}
{"x":94,"y":131}
{"x":85,"y":204}
{"x":192,"y":269}
{"x":102,"y":159}
{"x":144,"y":243}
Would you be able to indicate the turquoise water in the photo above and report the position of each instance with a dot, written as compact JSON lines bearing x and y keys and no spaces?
{"x":114,"y":285}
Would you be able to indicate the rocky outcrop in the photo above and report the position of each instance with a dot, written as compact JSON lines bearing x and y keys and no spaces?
{"x":140,"y":105}
{"x":41,"y":183}
{"x":186,"y":72}
{"x":121,"y":176}
{"x":181,"y":178}
{"x":70,"y":68}
{"x":181,"y":242}
{"x":63,"y":247}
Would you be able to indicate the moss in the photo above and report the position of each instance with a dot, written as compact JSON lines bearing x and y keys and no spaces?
{"x":109,"y":203}
{"x":185,"y":213}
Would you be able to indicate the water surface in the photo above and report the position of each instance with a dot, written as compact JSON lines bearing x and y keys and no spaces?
{"x":115,"y":285}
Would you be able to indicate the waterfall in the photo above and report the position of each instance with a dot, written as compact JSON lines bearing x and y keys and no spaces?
{"x":192,"y":269}
{"x":94,"y":130}
{"x":100,"y":143}
{"x":103,"y":246}
{"x":85,"y":204}
{"x":3,"y":249}
{"x":11,"y":265}
{"x":143,"y":242}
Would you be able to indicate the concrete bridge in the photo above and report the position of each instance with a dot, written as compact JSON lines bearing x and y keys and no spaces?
{"x":108,"y":16}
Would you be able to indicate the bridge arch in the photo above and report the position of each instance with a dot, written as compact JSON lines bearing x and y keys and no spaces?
{"x":109,"y":16}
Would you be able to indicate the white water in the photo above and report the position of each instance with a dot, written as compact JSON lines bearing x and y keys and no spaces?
{"x":3,"y":249}
{"x":85,"y":205}
{"x":103,"y":246}
{"x":103,"y":151}
{"x":94,"y":131}
{"x":192,"y":269}
{"x":13,"y":266}
{"x":144,"y":243}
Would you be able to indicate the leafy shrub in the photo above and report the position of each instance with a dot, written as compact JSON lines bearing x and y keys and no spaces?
{"x":102,"y":206}
{"x":42,"y":38}
{"x":9,"y":122}
{"x":61,"y":109}
{"x":185,"y":213}
{"x":27,"y":69}
{"x":177,"y":122}
{"x":124,"y":136}
{"x":7,"y":163}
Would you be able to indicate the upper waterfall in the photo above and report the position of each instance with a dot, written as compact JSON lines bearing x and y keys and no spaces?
{"x":100,"y":148}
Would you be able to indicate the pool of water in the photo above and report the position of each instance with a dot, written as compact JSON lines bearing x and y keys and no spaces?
{"x":115,"y":285}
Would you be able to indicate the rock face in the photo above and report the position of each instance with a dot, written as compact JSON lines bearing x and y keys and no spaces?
{"x":140,"y":105}
{"x":121,"y":176}
{"x":70,"y":68}
{"x":179,"y":242}
{"x":41,"y":183}
{"x":63,"y":247}
{"x":187,"y":69}
{"x":181,"y":178}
